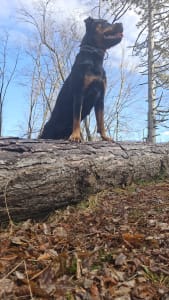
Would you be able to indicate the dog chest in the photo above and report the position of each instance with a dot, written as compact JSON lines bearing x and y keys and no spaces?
{"x":92,"y":78}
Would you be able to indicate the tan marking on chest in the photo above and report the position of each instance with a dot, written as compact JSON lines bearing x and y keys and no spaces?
{"x":88,"y":79}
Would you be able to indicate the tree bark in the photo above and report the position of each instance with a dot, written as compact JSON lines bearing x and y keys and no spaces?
{"x":37,"y":177}
{"x":151,"y":77}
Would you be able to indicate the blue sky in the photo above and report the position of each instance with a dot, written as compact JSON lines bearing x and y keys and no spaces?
{"x":15,"y":110}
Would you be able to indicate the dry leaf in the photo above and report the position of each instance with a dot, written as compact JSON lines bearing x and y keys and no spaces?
{"x":144,"y":291}
{"x":45,"y":256}
{"x":133,"y":239}
{"x":6,"y":287}
{"x":94,"y":292}
{"x":120,"y":260}
{"x":19,"y":275}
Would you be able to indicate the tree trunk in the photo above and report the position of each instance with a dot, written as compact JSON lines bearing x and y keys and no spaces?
{"x":151,"y":80}
{"x":0,"y":116}
{"x":37,"y":177}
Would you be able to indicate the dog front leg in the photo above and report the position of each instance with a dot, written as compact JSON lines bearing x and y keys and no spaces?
{"x":77,"y":109}
{"x":99,"y":113}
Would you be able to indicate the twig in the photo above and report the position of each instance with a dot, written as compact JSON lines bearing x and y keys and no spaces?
{"x":28,"y":281}
{"x":14,"y":269}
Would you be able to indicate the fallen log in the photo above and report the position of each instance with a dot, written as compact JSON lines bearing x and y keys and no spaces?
{"x":37,"y":176}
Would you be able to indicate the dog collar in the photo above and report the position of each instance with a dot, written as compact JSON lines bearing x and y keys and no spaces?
{"x":91,"y":49}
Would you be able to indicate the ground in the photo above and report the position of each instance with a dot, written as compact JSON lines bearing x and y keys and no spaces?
{"x":114,"y":246}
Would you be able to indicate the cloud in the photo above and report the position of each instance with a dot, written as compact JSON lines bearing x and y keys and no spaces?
{"x":6,"y":8}
{"x":166,"y":133}
{"x":9,"y":8}
{"x":129,"y":22}
{"x":124,"y":49}
{"x":74,"y":10}
{"x":61,"y":9}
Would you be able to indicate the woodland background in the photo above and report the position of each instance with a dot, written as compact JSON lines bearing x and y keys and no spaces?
{"x":115,"y":244}
{"x":39,"y":42}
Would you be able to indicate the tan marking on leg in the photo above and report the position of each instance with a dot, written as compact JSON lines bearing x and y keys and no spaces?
{"x":76,"y":136}
{"x":100,"y":125}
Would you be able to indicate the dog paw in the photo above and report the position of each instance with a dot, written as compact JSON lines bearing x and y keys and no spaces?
{"x":106,"y":138}
{"x":75,"y":138}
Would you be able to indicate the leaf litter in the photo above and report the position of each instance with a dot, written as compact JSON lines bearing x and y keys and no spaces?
{"x":114,"y":246}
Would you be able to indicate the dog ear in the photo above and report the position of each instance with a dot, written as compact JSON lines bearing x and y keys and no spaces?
{"x":88,"y":23}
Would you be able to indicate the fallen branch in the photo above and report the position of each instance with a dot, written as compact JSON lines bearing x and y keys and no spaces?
{"x":37,"y":177}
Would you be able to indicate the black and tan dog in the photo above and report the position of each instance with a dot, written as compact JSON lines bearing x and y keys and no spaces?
{"x":85,"y":86}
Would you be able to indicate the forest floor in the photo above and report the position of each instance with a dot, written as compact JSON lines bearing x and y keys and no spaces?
{"x":114,"y":246}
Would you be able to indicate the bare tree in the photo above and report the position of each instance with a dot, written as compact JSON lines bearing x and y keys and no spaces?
{"x":152,"y":47}
{"x":7,"y":72}
{"x":113,"y":9}
{"x":151,"y":82}
{"x":52,"y":52}
{"x":121,"y":95}
{"x":42,"y":86}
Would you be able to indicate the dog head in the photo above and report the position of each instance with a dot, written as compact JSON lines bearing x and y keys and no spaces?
{"x":101,"y":34}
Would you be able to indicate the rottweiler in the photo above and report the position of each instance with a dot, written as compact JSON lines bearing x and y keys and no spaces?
{"x":85,"y":86}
